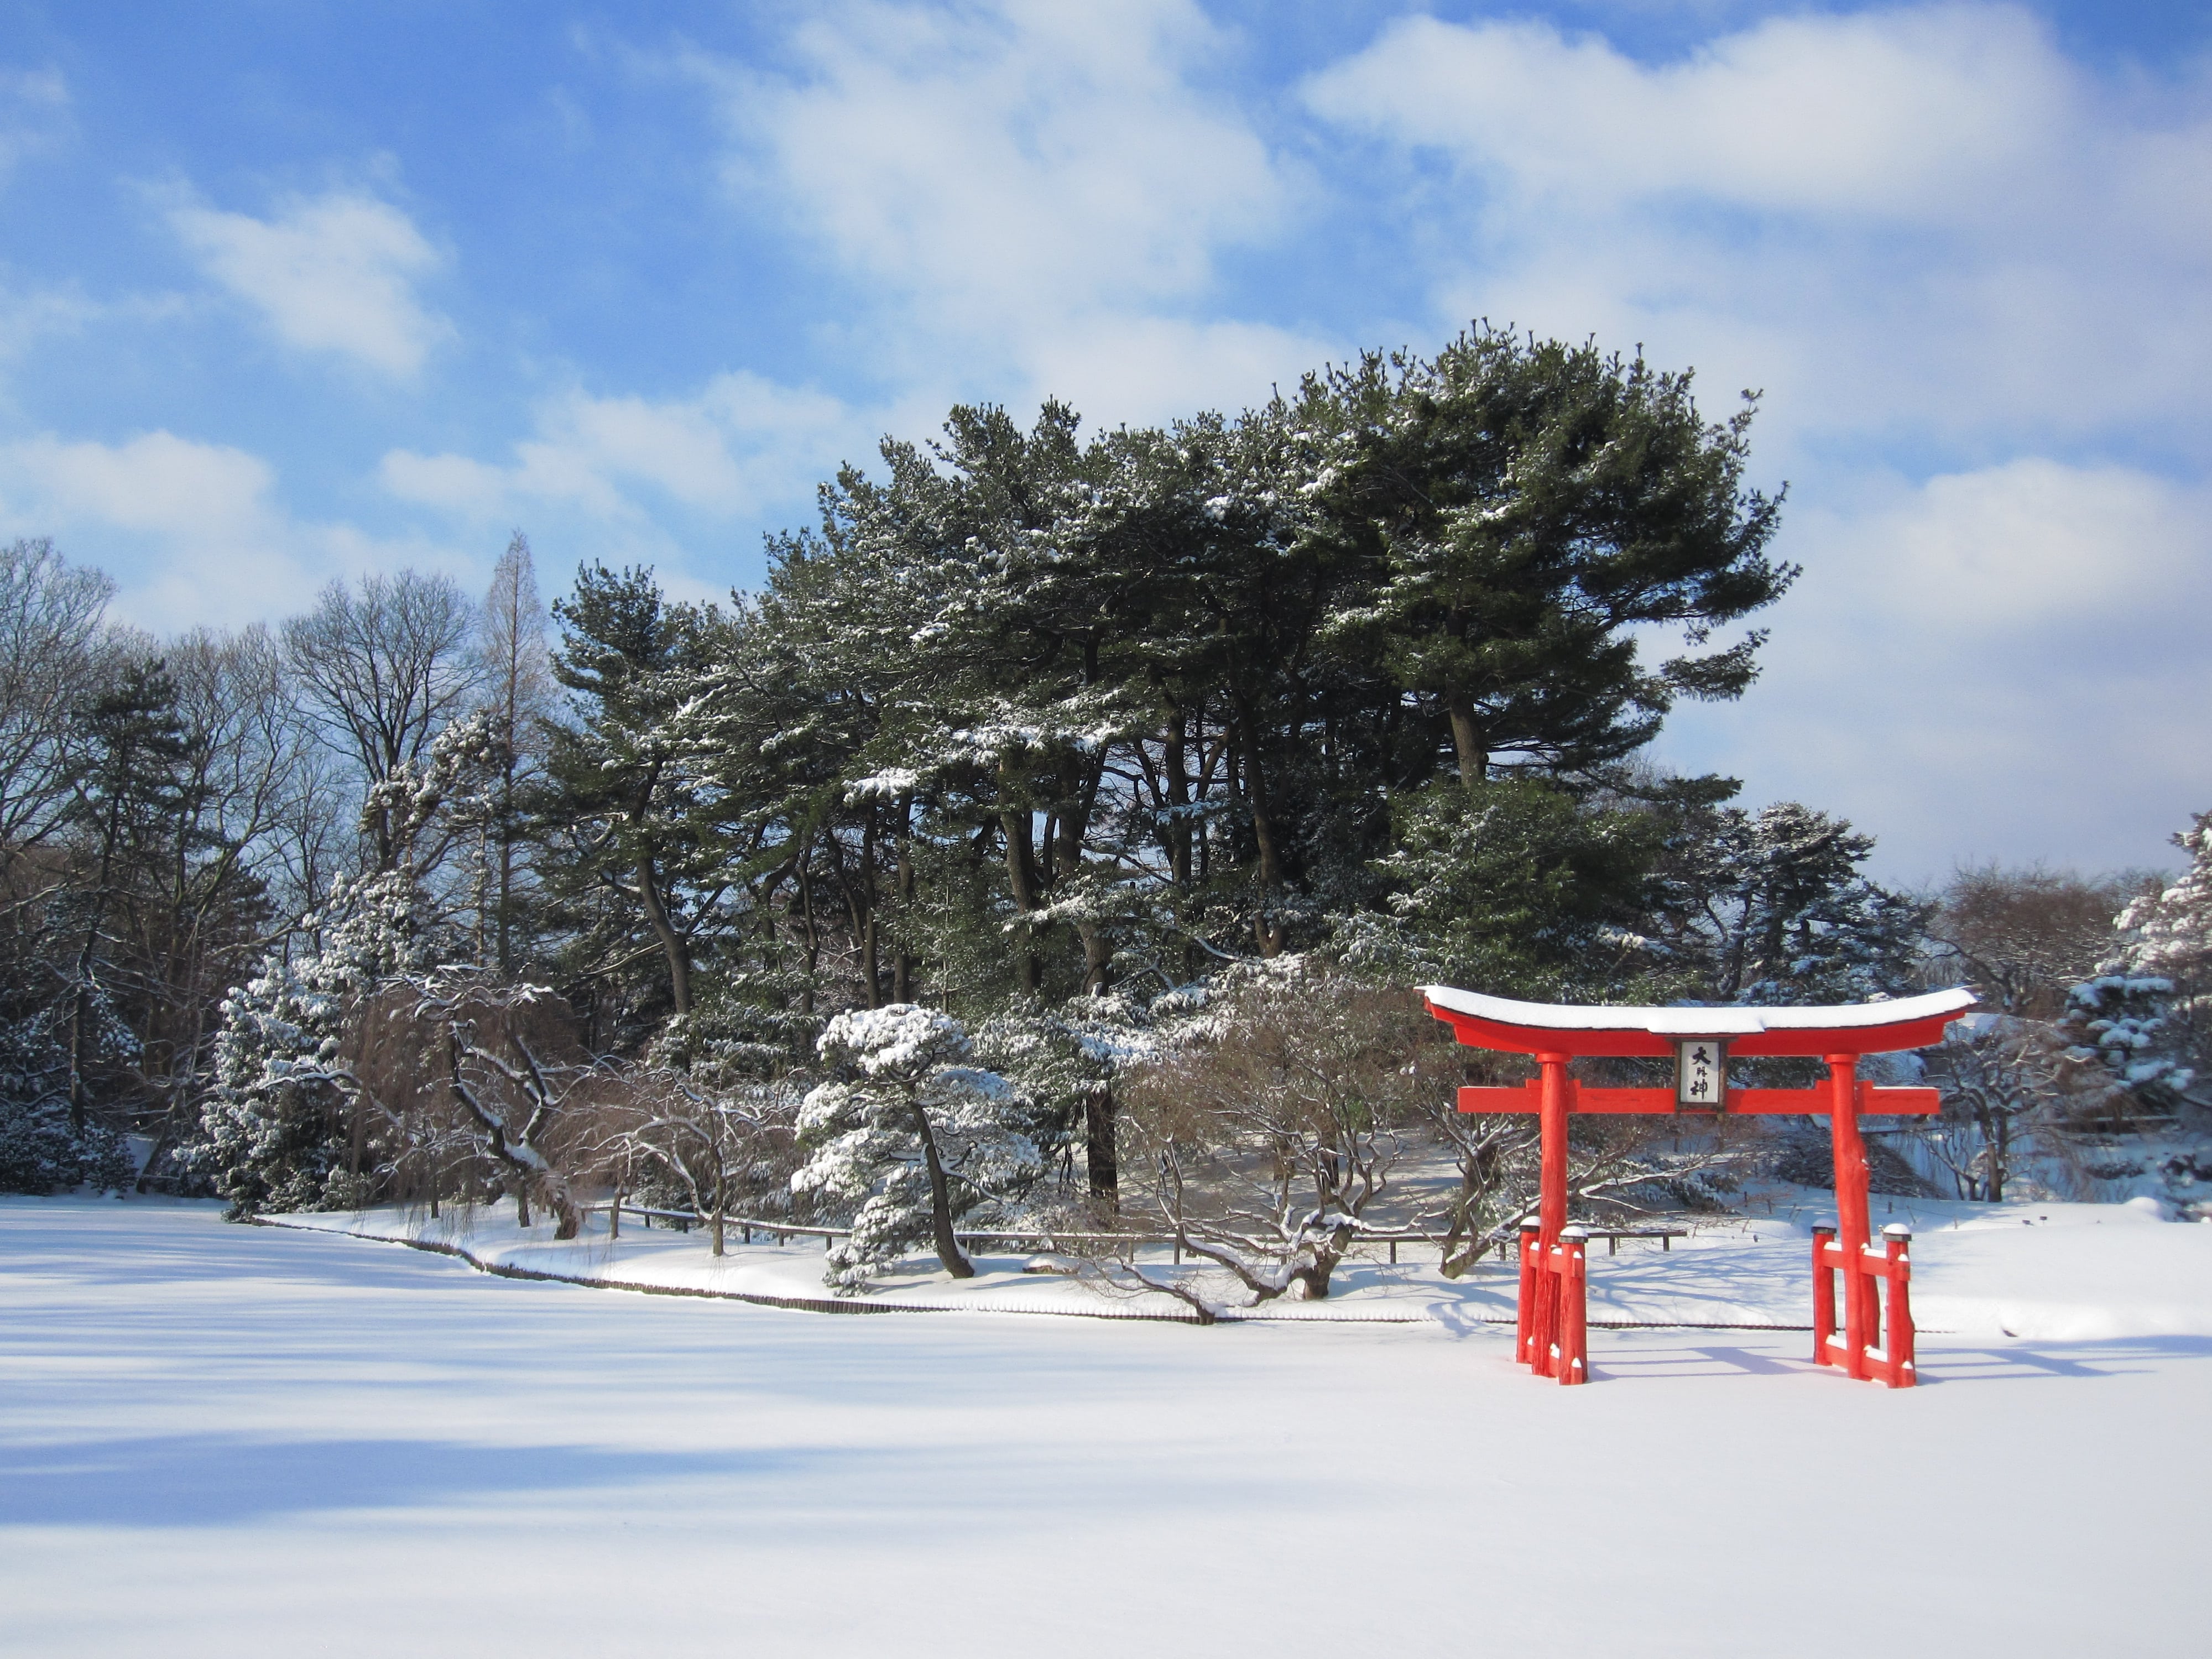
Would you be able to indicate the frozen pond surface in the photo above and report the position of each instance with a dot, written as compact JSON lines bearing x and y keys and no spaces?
{"x":220,"y":1439}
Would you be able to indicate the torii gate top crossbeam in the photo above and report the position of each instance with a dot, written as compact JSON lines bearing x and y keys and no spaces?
{"x":1534,"y":1027}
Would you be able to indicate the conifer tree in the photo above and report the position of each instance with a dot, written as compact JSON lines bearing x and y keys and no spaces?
{"x":908,"y":1139}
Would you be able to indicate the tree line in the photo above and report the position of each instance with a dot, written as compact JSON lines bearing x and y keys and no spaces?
{"x":1054,"y":735}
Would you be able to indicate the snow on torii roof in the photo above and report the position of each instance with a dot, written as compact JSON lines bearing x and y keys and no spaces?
{"x":1859,"y":1028}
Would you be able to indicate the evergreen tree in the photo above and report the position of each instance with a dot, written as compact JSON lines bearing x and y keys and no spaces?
{"x":625,"y":856}
{"x":285,"y":1121}
{"x":1515,"y":887}
{"x":908,"y":1138}
{"x":2146,"y":1015}
{"x":1523,"y":505}
{"x":128,"y":803}
{"x":1771,"y":907}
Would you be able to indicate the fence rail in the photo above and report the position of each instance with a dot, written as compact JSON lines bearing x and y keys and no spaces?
{"x":1052,"y":1240}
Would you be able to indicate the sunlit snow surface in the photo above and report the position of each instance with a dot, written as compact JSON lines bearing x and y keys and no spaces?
{"x":221,"y":1439}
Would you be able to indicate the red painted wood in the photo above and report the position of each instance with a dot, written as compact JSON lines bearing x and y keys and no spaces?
{"x":1477,"y":1032}
{"x":1820,"y":1101}
{"x":1902,"y":1369}
{"x":1852,"y":1229}
{"x":1524,"y":1322}
{"x":1552,"y":1322}
{"x":1824,"y":1295}
{"x":1554,"y":1096}
{"x":1569,"y":1264}
{"x":1584,"y":1101}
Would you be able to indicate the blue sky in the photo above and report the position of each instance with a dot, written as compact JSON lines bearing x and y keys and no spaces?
{"x":291,"y":291}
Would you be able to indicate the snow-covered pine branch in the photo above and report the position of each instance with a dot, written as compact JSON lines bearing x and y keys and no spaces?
{"x":908,"y":1138}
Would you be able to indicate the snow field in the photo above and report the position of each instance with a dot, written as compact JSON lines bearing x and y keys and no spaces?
{"x":2029,"y":1269}
{"x":221,"y":1439}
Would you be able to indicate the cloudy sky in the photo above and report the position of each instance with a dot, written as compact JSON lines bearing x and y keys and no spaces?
{"x":298,"y":289}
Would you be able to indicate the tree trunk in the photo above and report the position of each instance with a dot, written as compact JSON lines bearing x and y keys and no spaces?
{"x":1467,"y":741}
{"x":1021,"y":881}
{"x":568,"y":1220}
{"x":903,"y":965}
{"x":671,"y":942}
{"x":1266,"y":932}
{"x":941,"y":1198}
{"x":1097,"y":958}
{"x":1176,"y":835}
{"x":1099,"y":1154}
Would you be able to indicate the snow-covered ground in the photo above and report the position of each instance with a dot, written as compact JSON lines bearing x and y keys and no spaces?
{"x":2077,"y":1270}
{"x":222,"y":1439}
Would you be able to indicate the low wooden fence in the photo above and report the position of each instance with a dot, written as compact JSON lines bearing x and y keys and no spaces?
{"x":1067,"y":1243}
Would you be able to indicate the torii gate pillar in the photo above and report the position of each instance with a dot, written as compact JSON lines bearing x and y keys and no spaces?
{"x":1876,"y":1337}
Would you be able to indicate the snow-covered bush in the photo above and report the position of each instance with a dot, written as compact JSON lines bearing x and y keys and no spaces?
{"x":275,"y":1119}
{"x":908,"y":1138}
{"x":2146,"y":1016}
{"x":2141,"y":1031}
{"x":38,"y":1151}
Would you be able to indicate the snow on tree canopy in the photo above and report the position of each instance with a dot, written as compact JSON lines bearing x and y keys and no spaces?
{"x":910,"y":1139}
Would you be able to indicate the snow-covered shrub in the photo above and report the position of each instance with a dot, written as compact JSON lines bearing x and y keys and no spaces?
{"x":908,"y":1138}
{"x":38,"y":1152}
{"x":2146,"y":1014}
{"x":2141,"y":1031}
{"x":275,"y":1121}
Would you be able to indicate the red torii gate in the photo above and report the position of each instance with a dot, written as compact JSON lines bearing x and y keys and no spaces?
{"x":1552,"y":1323}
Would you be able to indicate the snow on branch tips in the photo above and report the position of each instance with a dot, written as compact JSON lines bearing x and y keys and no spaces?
{"x":908,"y":1139}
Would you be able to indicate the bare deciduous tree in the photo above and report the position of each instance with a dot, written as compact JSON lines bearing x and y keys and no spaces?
{"x":50,"y":641}
{"x":457,"y":1071}
{"x":384,"y":665}
{"x":716,"y":1149}
{"x":1999,"y":1075}
{"x":2026,"y":936}
{"x":1261,"y":1144}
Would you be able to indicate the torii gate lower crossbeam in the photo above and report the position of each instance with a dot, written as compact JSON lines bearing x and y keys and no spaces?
{"x":1876,"y":1339}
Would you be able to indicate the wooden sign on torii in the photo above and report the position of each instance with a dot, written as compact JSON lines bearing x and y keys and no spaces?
{"x":1876,"y":1339}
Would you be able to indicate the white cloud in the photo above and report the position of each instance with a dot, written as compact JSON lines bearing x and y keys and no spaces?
{"x":193,"y":531}
{"x":2011,"y":662}
{"x":1024,"y":189}
{"x":28,"y":315}
{"x":335,"y":274}
{"x":1925,"y":220}
{"x":741,"y":444}
{"x":2035,"y":545}
{"x":1888,"y":113}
